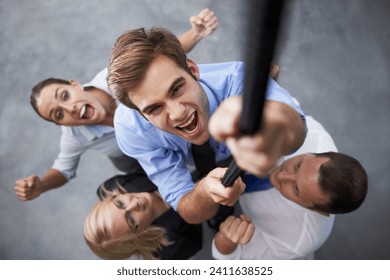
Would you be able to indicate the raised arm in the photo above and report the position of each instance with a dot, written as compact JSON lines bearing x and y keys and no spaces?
{"x":233,"y":231}
{"x":203,"y":25}
{"x":31,"y":187}
{"x":283,"y":131}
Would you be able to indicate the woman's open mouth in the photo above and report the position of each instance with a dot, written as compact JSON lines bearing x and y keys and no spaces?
{"x":86,"y":112}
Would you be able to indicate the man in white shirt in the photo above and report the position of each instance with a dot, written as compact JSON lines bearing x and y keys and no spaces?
{"x":292,"y":219}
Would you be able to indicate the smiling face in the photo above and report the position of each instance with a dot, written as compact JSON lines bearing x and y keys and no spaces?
{"x":173,"y":101}
{"x":131,"y":213}
{"x":297,"y":180}
{"x":69,"y":104}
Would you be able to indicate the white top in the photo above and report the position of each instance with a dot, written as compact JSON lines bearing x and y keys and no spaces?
{"x":284,"y":229}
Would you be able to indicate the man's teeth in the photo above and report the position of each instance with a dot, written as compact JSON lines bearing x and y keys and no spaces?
{"x":82,"y":111}
{"x":189,"y":121}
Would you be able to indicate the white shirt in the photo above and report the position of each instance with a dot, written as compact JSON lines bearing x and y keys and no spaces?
{"x":284,"y":229}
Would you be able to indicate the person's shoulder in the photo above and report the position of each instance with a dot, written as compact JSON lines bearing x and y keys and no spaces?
{"x":130,"y":120}
{"x":69,"y":134}
{"x":68,"y":130}
{"x":125,"y":116}
{"x":99,"y":81}
{"x":123,"y":110}
{"x":218,"y":75}
{"x":102,"y":74}
{"x":318,"y":139}
{"x":221,"y":66}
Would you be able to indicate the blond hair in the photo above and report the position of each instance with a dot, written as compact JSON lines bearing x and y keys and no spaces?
{"x":98,"y":234}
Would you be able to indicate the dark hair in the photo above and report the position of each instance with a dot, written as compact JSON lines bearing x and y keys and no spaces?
{"x":128,"y":183}
{"x":132,"y":55}
{"x":36,"y":91}
{"x":344,"y":179}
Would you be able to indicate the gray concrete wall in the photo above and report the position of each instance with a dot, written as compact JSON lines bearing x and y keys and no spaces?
{"x":334,"y":57}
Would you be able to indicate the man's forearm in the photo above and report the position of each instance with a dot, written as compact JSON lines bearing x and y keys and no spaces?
{"x":295,"y":132}
{"x":196,"y":207}
{"x":289,"y":123}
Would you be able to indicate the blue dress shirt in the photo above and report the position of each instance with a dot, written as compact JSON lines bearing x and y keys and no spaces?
{"x":165,"y":156}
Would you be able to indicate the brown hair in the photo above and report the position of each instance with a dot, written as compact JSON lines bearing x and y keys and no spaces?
{"x":344,"y":179}
{"x":132,"y":55}
{"x":36,"y":91}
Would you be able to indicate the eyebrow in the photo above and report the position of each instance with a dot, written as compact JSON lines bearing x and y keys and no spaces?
{"x":299,"y":167}
{"x":56,"y":94}
{"x":171,"y":88}
{"x":115,"y":201}
{"x":51,"y":111}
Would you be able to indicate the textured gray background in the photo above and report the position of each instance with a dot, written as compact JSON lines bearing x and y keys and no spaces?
{"x":334,"y":57}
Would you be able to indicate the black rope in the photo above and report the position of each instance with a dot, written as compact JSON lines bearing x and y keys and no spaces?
{"x":263,"y":24}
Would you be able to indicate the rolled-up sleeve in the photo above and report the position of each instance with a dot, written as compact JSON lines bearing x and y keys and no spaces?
{"x":68,"y":157}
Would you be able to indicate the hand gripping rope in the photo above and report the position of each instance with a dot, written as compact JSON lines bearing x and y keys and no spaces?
{"x":264,"y":19}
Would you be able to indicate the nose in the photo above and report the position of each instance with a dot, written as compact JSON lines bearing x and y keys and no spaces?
{"x":133,"y":204}
{"x":286,"y":177}
{"x":71,"y":108}
{"x":176,"y":111}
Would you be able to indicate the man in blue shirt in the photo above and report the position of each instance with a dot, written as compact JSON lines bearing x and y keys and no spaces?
{"x":167,"y":100}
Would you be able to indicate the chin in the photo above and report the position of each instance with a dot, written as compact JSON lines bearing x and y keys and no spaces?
{"x":199,"y":140}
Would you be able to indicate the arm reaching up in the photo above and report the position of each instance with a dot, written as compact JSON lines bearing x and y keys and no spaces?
{"x":234,"y":231}
{"x":203,"y":25}
{"x":283,"y":131}
{"x":31,"y":187}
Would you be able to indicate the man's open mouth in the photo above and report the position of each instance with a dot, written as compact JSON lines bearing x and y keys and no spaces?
{"x":191,"y":125}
